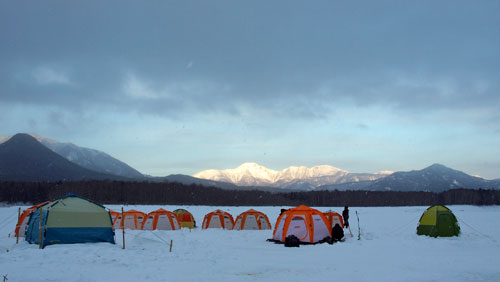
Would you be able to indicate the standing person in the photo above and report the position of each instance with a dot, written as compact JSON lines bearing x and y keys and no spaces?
{"x":345,"y":215}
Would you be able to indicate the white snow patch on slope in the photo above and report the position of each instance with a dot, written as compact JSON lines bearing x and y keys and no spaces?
{"x":255,"y":174}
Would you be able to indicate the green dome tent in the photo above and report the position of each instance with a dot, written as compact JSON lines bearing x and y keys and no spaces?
{"x":70,"y":219}
{"x":438,"y":221}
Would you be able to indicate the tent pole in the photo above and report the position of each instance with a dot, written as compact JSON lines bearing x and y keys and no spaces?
{"x":123,"y":229}
{"x":359,"y":228}
{"x":40,"y":230}
{"x":18,"y":230}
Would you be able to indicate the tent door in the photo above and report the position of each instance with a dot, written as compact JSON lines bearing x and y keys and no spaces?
{"x":251,"y":222}
{"x":298,"y":227}
{"x":164,"y":223}
{"x":445,"y":225}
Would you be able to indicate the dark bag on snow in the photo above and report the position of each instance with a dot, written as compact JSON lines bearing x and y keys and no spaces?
{"x":292,"y":241}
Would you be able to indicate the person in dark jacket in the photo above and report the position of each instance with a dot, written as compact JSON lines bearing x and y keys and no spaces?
{"x":337,"y":233}
{"x":345,"y":215}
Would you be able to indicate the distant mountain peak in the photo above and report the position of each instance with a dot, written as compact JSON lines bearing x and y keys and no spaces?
{"x":23,"y":158}
{"x":250,"y":165}
{"x":88,"y":158}
{"x":441,"y":169}
{"x":436,"y":166}
{"x":434,"y":178}
{"x":299,"y":177}
{"x":22,"y":138}
{"x":254,"y":167}
{"x":37,"y":137}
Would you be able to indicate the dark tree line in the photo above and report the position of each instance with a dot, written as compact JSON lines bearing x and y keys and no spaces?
{"x":118,"y":192}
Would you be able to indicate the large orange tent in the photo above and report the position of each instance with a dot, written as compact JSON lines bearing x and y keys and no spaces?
{"x":186,"y":219}
{"x":305,"y":223}
{"x":252,"y":220}
{"x":22,"y":221}
{"x":133,"y":220}
{"x":218,"y":219}
{"x":334,"y":218}
{"x":161,"y":219}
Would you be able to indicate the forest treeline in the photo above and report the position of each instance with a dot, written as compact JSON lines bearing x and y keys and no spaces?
{"x":171,"y":193}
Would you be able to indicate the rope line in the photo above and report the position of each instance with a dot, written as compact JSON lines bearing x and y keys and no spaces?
{"x":7,"y":221}
{"x":404,"y":225}
{"x":159,"y":237}
{"x":477,"y":231}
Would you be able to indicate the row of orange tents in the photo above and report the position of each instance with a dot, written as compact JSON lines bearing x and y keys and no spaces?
{"x":161,"y":219}
{"x":307,"y":224}
{"x":249,"y":220}
{"x":165,"y":220}
{"x":253,"y":219}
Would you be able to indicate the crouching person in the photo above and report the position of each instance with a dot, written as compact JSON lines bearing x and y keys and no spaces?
{"x":337,"y":233}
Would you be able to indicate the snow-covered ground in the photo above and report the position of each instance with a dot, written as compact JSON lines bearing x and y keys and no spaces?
{"x":389,"y":250}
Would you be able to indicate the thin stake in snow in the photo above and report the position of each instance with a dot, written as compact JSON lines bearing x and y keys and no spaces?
{"x":171,"y":242}
{"x":359,"y":229}
{"x":40,"y":230}
{"x":123,"y":229}
{"x":19,"y":230}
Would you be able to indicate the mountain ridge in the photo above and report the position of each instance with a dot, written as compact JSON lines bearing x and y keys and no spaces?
{"x":23,"y":158}
{"x":434,"y":178}
{"x":293,"y":177}
{"x":91,"y":159}
{"x":37,"y":156}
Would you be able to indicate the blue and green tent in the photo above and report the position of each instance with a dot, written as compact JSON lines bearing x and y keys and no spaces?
{"x":438,"y":221}
{"x":71,"y":219}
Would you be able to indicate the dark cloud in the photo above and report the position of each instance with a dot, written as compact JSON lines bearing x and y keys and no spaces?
{"x":288,"y":58}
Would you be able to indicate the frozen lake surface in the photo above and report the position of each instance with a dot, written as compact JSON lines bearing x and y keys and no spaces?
{"x":389,"y":250}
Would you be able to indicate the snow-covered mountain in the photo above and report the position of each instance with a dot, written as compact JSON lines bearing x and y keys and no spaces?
{"x":88,"y":158}
{"x":435,"y":178}
{"x":294,"y":177}
{"x":23,"y":158}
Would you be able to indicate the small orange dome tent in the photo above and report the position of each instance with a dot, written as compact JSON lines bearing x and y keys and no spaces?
{"x":22,"y":222}
{"x":186,"y":219}
{"x":161,"y":219}
{"x":252,"y":220}
{"x":218,"y":219}
{"x":305,"y":223}
{"x":133,"y":220}
{"x":334,"y":218}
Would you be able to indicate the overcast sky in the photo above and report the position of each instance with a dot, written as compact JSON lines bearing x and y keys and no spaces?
{"x":183,"y":86}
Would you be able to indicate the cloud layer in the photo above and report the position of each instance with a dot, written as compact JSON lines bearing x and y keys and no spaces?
{"x":279,"y":65}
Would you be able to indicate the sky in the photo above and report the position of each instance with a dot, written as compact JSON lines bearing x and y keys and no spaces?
{"x":183,"y":86}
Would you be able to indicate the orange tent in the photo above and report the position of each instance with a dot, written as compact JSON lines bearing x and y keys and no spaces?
{"x":133,"y":220}
{"x":161,"y":219}
{"x":186,"y":219}
{"x":218,"y":219}
{"x":252,"y":220}
{"x":23,"y":219}
{"x":305,"y":223}
{"x":334,"y":218}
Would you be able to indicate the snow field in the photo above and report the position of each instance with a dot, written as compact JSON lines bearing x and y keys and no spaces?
{"x":389,"y":250}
